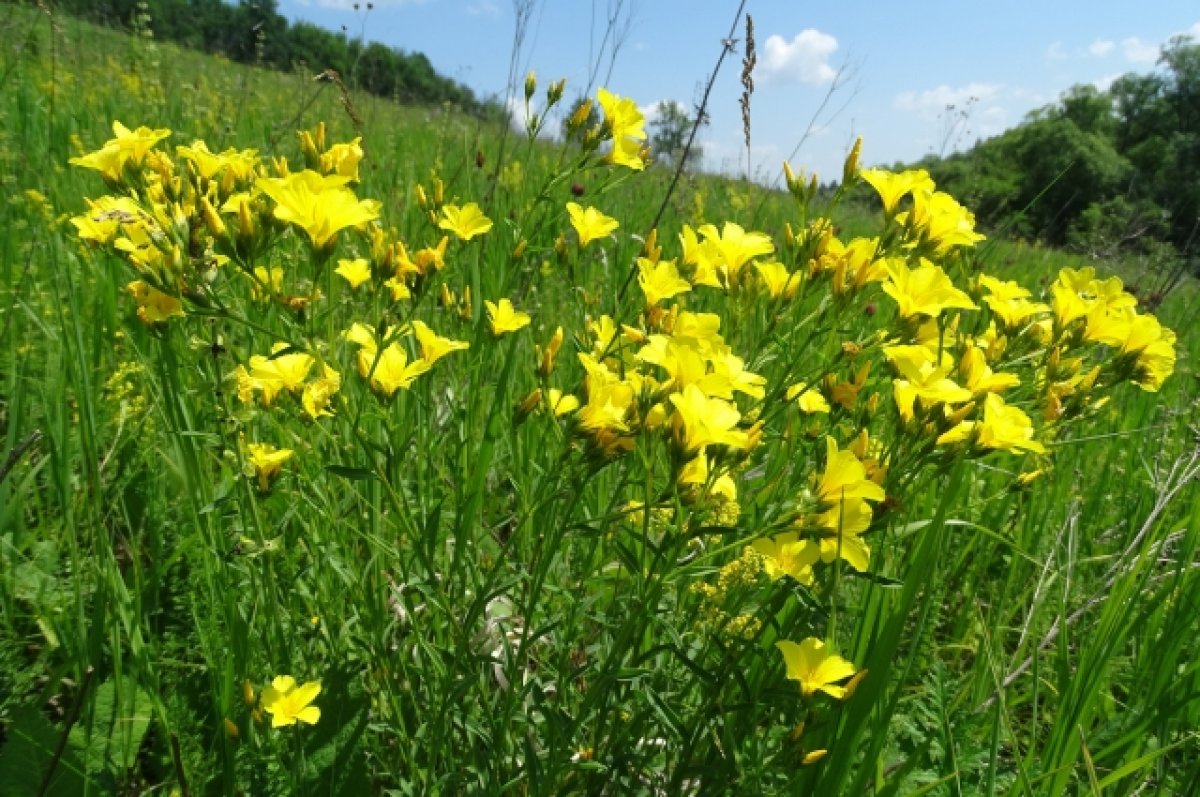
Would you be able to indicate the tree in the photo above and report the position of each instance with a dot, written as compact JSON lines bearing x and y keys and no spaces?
{"x":670,"y":129}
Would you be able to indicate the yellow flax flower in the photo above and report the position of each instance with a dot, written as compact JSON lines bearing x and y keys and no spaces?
{"x":788,"y":555}
{"x":434,"y":346}
{"x":807,"y":399}
{"x":733,"y":247}
{"x":815,"y":667}
{"x":925,"y":290}
{"x":589,"y":223}
{"x":153,"y":306}
{"x":343,"y":159}
{"x":321,"y":206}
{"x":660,"y":280}
{"x":356,"y":271}
{"x":271,"y":375}
{"x":318,"y":393}
{"x":465,"y":222}
{"x":125,"y":147}
{"x":1003,"y":428}
{"x":267,"y":461}
{"x":894,"y":186}
{"x":504,"y":318}
{"x":288,"y":703}
{"x":628,"y":127}
{"x":700,"y":421}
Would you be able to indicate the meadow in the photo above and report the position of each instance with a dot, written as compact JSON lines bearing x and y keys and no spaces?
{"x":355,"y":448}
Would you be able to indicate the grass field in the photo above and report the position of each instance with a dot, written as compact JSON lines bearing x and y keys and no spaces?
{"x":809,"y":501}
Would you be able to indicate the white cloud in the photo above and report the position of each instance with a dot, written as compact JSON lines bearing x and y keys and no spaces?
{"x":934,"y":101}
{"x":805,"y":59}
{"x":1139,"y":52}
{"x":1101,"y":47}
{"x":1056,"y":52}
{"x":1105,"y":83}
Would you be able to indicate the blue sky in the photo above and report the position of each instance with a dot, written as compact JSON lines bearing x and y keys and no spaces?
{"x":899,"y":64}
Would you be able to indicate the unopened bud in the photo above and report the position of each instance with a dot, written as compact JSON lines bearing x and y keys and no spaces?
{"x":530,"y":85}
{"x":528,"y":405}
{"x":850,"y":169}
{"x":216,"y":224}
{"x":422,"y":200}
{"x":580,"y":117}
{"x":522,"y":245}
{"x":554,"y":94}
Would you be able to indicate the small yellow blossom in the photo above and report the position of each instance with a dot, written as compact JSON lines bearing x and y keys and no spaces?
{"x":267,"y":461}
{"x":465,"y":222}
{"x":815,"y":667}
{"x":504,"y":318}
{"x":627,"y":125}
{"x":288,"y":703}
{"x":925,"y":290}
{"x":356,"y":271}
{"x":153,"y":306}
{"x":589,"y":223}
{"x":320,"y":205}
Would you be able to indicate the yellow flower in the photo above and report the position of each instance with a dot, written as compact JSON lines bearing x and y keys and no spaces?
{"x":733,"y":247}
{"x":1003,"y":428}
{"x":267,"y":461}
{"x":843,"y":490}
{"x":942,"y":221}
{"x":389,"y":370}
{"x":978,"y":376}
{"x":434,"y":346}
{"x":343,"y":159}
{"x":321,"y":206}
{"x":815,"y":667}
{"x":810,"y":401}
{"x":465,"y":222}
{"x":788,"y":555}
{"x":356,"y":271}
{"x":270,"y":375}
{"x":700,"y":421}
{"x":778,"y":281}
{"x":892,"y":186}
{"x":660,"y":280}
{"x":925,"y":290}
{"x":104,"y":218}
{"x":154,"y":306}
{"x":239,"y":165}
{"x":622,"y":117}
{"x":319,"y":392}
{"x":126,"y":147}
{"x":504,"y":318}
{"x":288,"y":703}
{"x":1009,"y":301}
{"x":590,"y":223}
{"x":921,"y":379}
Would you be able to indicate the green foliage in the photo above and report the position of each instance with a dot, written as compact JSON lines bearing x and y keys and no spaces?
{"x":253,"y":32}
{"x":1116,"y":168}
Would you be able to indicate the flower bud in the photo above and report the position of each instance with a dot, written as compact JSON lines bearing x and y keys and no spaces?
{"x":850,"y":170}
{"x":530,"y":85}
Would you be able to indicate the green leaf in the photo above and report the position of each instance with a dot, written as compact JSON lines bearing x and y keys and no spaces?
{"x":350,"y":472}
{"x":27,"y":754}
{"x":335,"y":761}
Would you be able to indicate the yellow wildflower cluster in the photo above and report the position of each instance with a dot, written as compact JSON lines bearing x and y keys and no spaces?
{"x":780,"y":393}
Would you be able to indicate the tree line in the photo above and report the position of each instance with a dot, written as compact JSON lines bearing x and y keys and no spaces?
{"x":254,"y":32}
{"x":1107,"y":171}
